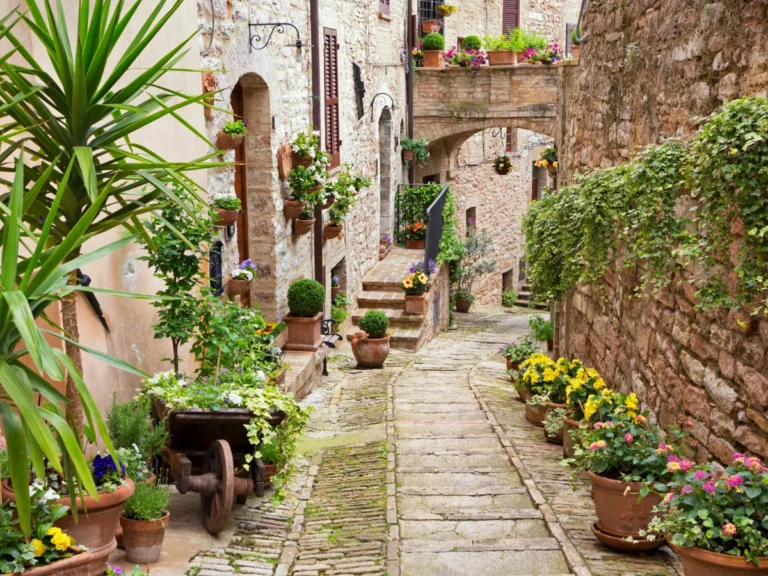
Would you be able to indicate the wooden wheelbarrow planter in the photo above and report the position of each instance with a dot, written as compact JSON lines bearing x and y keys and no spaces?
{"x":204,"y":450}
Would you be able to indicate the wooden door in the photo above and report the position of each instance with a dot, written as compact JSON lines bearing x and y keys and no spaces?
{"x":236,"y":100}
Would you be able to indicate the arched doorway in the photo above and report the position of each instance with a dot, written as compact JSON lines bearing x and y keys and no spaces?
{"x":386,"y":202}
{"x":236,"y":101}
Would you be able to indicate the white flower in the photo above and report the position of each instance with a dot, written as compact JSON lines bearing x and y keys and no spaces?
{"x":242,"y":275}
{"x":311,"y":152}
{"x":295,"y":148}
{"x":181,"y":382}
{"x":260,"y":375}
{"x":235,"y":399}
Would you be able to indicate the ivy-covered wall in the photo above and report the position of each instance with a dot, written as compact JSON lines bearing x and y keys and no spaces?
{"x":651,"y":69}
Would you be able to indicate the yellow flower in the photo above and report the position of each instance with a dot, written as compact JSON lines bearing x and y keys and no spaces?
{"x":407,"y":284}
{"x":52,"y":531}
{"x":590,"y":408}
{"x":592,"y":373}
{"x":575,"y":383}
{"x":631,"y":402}
{"x":61,"y":541}
{"x":554,"y":164}
{"x":422,"y":278}
{"x":39,"y":547}
{"x":606,"y":394}
{"x":534,"y":377}
{"x":599,"y":384}
{"x":549,"y":375}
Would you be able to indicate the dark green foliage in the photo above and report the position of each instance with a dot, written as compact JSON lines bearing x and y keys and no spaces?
{"x":543,"y":329}
{"x":148,"y":502}
{"x":129,"y":423}
{"x":472,"y":43}
{"x":433,"y":41}
{"x":508,"y":298}
{"x":306,"y":298}
{"x":339,"y":312}
{"x":375,"y":324}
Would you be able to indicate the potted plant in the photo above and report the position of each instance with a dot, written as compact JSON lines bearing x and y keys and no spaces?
{"x":371,"y":346}
{"x":231,"y":135}
{"x":385,"y":242}
{"x":465,"y":58}
{"x":506,"y":49}
{"x":417,"y":55}
{"x":143,"y":521}
{"x":586,"y":383}
{"x":335,"y":287}
{"x":415,"y":149}
{"x":339,"y":308}
{"x":473,"y":263}
{"x":301,"y":180}
{"x":515,"y":355}
{"x":576,"y":43}
{"x":622,"y":456}
{"x":433,"y":46}
{"x":445,"y":10}
{"x":715,"y":519}
{"x":509,"y":298}
{"x":471,"y":43}
{"x":543,"y":330}
{"x":305,"y":147}
{"x":241,"y":278}
{"x":543,"y":385}
{"x":502,"y":165}
{"x":415,"y":284}
{"x":227,"y":209}
{"x":548,"y":160}
{"x":306,"y":220}
{"x":553,"y":426}
{"x":431,"y":26}
{"x":415,"y":235}
{"x":306,"y":299}
{"x":117,"y":571}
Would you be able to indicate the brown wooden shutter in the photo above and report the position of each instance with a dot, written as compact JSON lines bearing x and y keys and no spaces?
{"x":511,"y":16}
{"x":384,"y":7}
{"x":332,"y":136}
{"x":535,"y":183}
{"x":569,"y":28}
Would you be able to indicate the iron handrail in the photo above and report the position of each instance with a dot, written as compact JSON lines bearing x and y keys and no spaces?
{"x":434,"y":217}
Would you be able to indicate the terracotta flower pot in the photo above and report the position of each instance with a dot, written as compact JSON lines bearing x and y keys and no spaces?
{"x":335,"y":291}
{"x":519,"y":57}
{"x":95,"y":529}
{"x":415,"y":304}
{"x":500,"y":58}
{"x":238,"y":287}
{"x":409,"y":155}
{"x":226,"y":141}
{"x":301,"y":227}
{"x":429,"y":27}
{"x":616,"y":504}
{"x":535,"y":414}
{"x":303,"y":333}
{"x":144,"y":540}
{"x":329,"y":202}
{"x":331,"y":232}
{"x":305,"y":161}
{"x":433,"y":59}
{"x":415,"y":244}
{"x":568,"y":443}
{"x":525,"y":394}
{"x":576,"y":52}
{"x":370,"y":352}
{"x":293,"y":208}
{"x":463,"y":305}
{"x":226,"y":217}
{"x":77,"y":565}
{"x":512,"y":365}
{"x":558,"y":437}
{"x":119,"y":531}
{"x":700,"y":562}
{"x":271,"y":472}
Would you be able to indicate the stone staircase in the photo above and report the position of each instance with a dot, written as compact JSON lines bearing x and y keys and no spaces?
{"x":524,"y":299}
{"x":382,"y":291}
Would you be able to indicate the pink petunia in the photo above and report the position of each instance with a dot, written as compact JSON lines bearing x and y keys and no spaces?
{"x":628,"y":438}
{"x":673,"y":458}
{"x":738,"y":457}
{"x":688,"y":424}
{"x":686,"y":464}
{"x":700,"y":474}
{"x":598,"y":445}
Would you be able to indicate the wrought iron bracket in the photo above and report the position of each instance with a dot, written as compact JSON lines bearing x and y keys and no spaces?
{"x":393,"y":107}
{"x":255,"y":36}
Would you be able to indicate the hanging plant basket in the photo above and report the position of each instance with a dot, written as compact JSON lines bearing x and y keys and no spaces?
{"x":238,"y":287}
{"x":226,"y":141}
{"x":225,"y":217}
{"x":301,"y":227}
{"x":502,"y":165}
{"x":429,"y":26}
{"x":331,"y":232}
{"x":552,"y":170}
{"x":299,"y":160}
{"x":293,"y":208}
{"x":329,"y":202}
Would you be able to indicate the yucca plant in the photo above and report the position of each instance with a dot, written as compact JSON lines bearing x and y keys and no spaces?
{"x":82,"y":116}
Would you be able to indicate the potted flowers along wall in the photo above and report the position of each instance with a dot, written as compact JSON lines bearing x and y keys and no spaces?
{"x":306,"y":299}
{"x":433,"y":46}
{"x":415,"y":285}
{"x":467,"y":56}
{"x":545,"y":382}
{"x":515,"y":355}
{"x":144,"y":521}
{"x":538,"y":56}
{"x":415,"y":235}
{"x":582,"y":394}
{"x":342,"y":195}
{"x":241,"y":278}
{"x":415,"y":149}
{"x":371,"y":346}
{"x":305,"y":147}
{"x":548,"y":160}
{"x":385,"y":243}
{"x":306,"y":180}
{"x":231,"y":135}
{"x":473,"y":262}
{"x":335,"y":287}
{"x":543,"y":331}
{"x":227,"y":207}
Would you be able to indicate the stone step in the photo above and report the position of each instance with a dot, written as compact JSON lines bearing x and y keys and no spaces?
{"x":381,"y":299}
{"x":399,"y":338}
{"x":396,"y":317}
{"x":384,"y":285}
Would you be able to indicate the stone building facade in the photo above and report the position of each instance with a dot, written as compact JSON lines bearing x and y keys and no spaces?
{"x":649,"y":70}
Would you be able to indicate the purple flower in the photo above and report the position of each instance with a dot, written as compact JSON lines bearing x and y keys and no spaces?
{"x":247,"y":265}
{"x":432,"y":267}
{"x":103,"y":465}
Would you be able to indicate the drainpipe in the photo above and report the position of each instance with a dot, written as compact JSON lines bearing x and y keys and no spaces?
{"x":410,"y":42}
{"x":314,"y":25}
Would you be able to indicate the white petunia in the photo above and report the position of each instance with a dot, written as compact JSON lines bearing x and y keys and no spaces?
{"x":260,"y":375}
{"x":235,"y":399}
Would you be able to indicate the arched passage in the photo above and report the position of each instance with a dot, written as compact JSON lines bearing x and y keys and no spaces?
{"x":386,"y":199}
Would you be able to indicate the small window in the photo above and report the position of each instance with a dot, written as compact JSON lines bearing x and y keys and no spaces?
{"x":384,"y":7}
{"x":431,"y":178}
{"x":510,"y":140}
{"x":471,"y":220}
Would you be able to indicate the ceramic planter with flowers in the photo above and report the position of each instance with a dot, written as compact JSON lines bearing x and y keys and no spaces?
{"x":432,"y":26}
{"x":465,"y":58}
{"x":445,"y":10}
{"x":502,"y":165}
{"x":548,"y":160}
{"x":415,"y":285}
{"x":305,"y":147}
{"x":715,"y":519}
{"x":241,"y":278}
{"x":547,"y":381}
{"x":231,"y":135}
{"x":515,"y":355}
{"x":415,"y":235}
{"x":227,"y":208}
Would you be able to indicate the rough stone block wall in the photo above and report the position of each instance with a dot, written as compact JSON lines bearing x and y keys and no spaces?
{"x":649,"y":69}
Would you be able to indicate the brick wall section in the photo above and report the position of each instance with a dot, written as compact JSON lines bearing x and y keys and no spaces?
{"x":649,"y":68}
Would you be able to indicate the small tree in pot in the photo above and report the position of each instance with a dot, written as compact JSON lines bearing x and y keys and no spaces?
{"x":144,"y":520}
{"x":473,"y":263}
{"x":371,"y":347}
{"x":306,"y":299}
{"x":433,"y":46}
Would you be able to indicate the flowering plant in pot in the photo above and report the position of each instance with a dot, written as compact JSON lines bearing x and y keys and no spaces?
{"x":547,"y":382}
{"x":716,"y":519}
{"x":306,"y":299}
{"x":335,"y":287}
{"x":415,"y":235}
{"x":445,"y":10}
{"x":117,"y":571}
{"x":516,"y":354}
{"x":231,"y":135}
{"x":431,"y":26}
{"x":548,"y":160}
{"x":474,"y":261}
{"x":532,"y":371}
{"x":414,"y":149}
{"x":241,"y":277}
{"x":305,"y":147}
{"x":465,"y":58}
{"x":306,"y":220}
{"x":433,"y":46}
{"x":543,"y":330}
{"x":585,"y":385}
{"x":144,"y":520}
{"x":227,"y":207}
{"x":371,"y":346}
{"x":502,"y":165}
{"x":623,"y":455}
{"x":553,"y":425}
{"x":417,"y":54}
{"x":502,"y":50}
{"x":415,"y":284}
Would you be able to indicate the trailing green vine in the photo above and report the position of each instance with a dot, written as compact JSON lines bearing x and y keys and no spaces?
{"x":635,"y":216}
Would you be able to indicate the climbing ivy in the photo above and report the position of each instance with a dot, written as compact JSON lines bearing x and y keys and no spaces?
{"x":451,"y":247}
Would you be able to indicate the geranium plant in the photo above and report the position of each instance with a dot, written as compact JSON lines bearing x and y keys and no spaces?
{"x":416,"y":231}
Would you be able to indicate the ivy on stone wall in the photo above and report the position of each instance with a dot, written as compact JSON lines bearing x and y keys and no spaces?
{"x":636,"y":216}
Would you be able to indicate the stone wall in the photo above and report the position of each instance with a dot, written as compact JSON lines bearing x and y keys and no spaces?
{"x":649,"y":69}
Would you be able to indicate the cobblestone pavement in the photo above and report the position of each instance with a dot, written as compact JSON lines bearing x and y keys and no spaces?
{"x":426,"y":468}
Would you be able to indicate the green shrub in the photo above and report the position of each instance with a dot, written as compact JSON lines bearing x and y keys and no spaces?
{"x":148,"y":502}
{"x":129,"y":424}
{"x":433,"y":41}
{"x":543,"y":329}
{"x":508,"y":298}
{"x":471,"y":43}
{"x":375,"y":324}
{"x":270,"y":453}
{"x":236,"y":128}
{"x":306,"y":298}
{"x":339,"y":306}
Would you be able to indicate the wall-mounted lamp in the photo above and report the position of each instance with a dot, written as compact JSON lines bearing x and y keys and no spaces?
{"x":393,"y":107}
{"x":258,"y":37}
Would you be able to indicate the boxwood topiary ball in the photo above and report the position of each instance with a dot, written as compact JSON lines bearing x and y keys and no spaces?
{"x":472,"y":43}
{"x":375,"y":324}
{"x":306,"y":298}
{"x":433,"y":41}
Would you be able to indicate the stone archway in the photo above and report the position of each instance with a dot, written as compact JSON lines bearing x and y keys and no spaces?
{"x":386,"y":197}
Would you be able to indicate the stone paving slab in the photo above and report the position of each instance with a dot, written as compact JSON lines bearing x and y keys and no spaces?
{"x":458,"y":482}
{"x":457,"y":506}
{"x":450,"y":530}
{"x":464,"y":416}
{"x":496,"y":563}
{"x":488,"y":462}
{"x":447,"y":430}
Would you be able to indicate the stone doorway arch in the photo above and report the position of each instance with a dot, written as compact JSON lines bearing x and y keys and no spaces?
{"x":386,"y":162}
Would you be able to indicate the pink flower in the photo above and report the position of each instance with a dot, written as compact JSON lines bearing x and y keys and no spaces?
{"x":686,"y":464}
{"x":709,"y":486}
{"x":700,"y":474}
{"x":673,"y":458}
{"x":754,"y":464}
{"x":729,"y":529}
{"x":641,"y":419}
{"x":598,"y":425}
{"x":668,"y":498}
{"x":738,"y":457}
{"x":662,"y":448}
{"x":628,"y":438}
{"x":687,"y":489}
{"x":598,"y":445}
{"x":734,"y":481}
{"x":693,"y":443}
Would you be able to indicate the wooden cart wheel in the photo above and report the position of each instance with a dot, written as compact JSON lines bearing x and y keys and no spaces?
{"x":217,"y":506}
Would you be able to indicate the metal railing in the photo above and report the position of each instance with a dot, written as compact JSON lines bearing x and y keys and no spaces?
{"x":412,"y":206}
{"x":434,"y":227}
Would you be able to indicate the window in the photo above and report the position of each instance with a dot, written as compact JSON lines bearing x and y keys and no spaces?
{"x":332,"y":137}
{"x":384,"y":7}
{"x":510,"y":140}
{"x":428,"y":10}
{"x":431,"y":178}
{"x":511,"y":16}
{"x":569,"y":28}
{"x":471,"y":220}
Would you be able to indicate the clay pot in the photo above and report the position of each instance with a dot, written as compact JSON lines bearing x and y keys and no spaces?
{"x":700,"y":562}
{"x":512,"y":365}
{"x":225,"y":217}
{"x":238,"y":287}
{"x":502,"y":171}
{"x":293,"y":208}
{"x":409,"y":155}
{"x":415,"y":304}
{"x":618,"y":511}
{"x":370,"y":352}
{"x":331,"y":232}
{"x":143,"y":540}
{"x":556,"y":439}
{"x":550,"y":345}
{"x":305,"y":161}
{"x":575,"y":52}
{"x":525,"y":394}
{"x":635,"y":545}
{"x":568,"y":443}
{"x":77,"y":565}
{"x":429,"y":27}
{"x":335,"y":291}
{"x":301,"y":227}
{"x":463,"y":305}
{"x":500,"y":58}
{"x":328,"y":203}
{"x":519,"y":57}
{"x":95,"y":529}
{"x":535,"y":414}
{"x":433,"y":59}
{"x":552,"y":170}
{"x":303,"y":333}
{"x":119,"y":532}
{"x":415,"y":244}
{"x":271,"y":472}
{"x":226,"y":141}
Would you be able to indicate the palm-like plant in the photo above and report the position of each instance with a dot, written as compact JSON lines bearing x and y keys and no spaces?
{"x":78,"y":121}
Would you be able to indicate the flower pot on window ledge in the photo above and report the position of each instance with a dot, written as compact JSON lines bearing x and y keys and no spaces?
{"x":225,"y":217}
{"x":415,"y":244}
{"x":238,"y":287}
{"x":301,"y":227}
{"x":226,"y":141}
{"x":433,"y":59}
{"x":416,"y":304}
{"x":330,"y":232}
{"x":293,"y":208}
{"x":304,"y":333}
{"x":429,"y":26}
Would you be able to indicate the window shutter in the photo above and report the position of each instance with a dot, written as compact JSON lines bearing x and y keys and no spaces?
{"x":510,"y":140}
{"x":511,"y":17}
{"x":332,"y":137}
{"x":569,"y":28}
{"x":384,"y":7}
